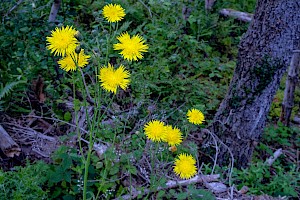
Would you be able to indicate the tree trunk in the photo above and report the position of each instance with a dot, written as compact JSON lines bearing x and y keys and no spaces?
{"x":265,"y":51}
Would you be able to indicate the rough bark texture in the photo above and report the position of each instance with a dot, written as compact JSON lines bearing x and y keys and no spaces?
{"x":290,"y":85}
{"x":265,"y":51}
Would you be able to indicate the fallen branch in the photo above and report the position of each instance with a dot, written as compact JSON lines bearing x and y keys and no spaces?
{"x":209,"y":4}
{"x":14,"y":7}
{"x":9,"y":147}
{"x":276,"y":154}
{"x":243,"y":16}
{"x":54,"y":10}
{"x":172,"y":184}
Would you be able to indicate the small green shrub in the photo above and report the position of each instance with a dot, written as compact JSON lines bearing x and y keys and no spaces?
{"x":263,"y":179}
{"x":25,"y":183}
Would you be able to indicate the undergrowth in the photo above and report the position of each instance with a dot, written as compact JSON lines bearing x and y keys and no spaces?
{"x":190,"y":61}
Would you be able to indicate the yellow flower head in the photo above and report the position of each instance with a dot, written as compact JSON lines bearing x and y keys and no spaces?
{"x":195,"y":116}
{"x":172,"y":136}
{"x":111,"y":79}
{"x":132,"y":48}
{"x":154,"y":130}
{"x":62,"y":41}
{"x":68,"y":63}
{"x":185,"y":166}
{"x":113,"y":13}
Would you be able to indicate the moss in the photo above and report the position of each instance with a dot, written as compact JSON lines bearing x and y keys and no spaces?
{"x":264,"y":73}
{"x":235,"y":102}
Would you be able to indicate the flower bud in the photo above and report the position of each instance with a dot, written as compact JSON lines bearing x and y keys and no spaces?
{"x":78,"y":36}
{"x":78,"y":49}
{"x":173,"y":149}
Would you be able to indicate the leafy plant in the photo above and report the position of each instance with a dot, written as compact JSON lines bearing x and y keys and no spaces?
{"x":274,"y":180}
{"x":6,"y":90}
{"x":24,"y":182}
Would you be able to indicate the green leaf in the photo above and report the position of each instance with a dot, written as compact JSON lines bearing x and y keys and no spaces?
{"x":131,"y":169}
{"x":8,"y":88}
{"x":67,"y":116}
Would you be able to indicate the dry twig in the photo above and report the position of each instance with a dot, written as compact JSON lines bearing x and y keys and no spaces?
{"x":172,"y":184}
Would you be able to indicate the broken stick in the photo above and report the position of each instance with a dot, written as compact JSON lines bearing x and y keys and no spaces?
{"x":243,"y":16}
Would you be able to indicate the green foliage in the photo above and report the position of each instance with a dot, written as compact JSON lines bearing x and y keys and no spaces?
{"x":275,"y":180}
{"x":22,"y":46}
{"x":8,"y":88}
{"x":280,"y":135}
{"x":62,"y":176}
{"x":24,"y":183}
{"x":189,"y":64}
{"x":241,"y":5}
{"x":281,"y":177}
{"x":276,"y":106}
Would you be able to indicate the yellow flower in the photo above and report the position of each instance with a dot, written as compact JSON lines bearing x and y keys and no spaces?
{"x":154,"y":130}
{"x":112,"y":79}
{"x":68,"y":63}
{"x":195,"y":116}
{"x":172,"y":136}
{"x":62,"y":41}
{"x":113,"y":13}
{"x":185,"y":166}
{"x":132,"y":48}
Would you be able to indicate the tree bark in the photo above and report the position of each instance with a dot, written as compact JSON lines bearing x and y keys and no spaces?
{"x":265,"y":51}
{"x":290,"y":85}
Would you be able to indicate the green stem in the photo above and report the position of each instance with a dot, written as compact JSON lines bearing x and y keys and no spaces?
{"x":108,"y":43}
{"x":86,"y":167}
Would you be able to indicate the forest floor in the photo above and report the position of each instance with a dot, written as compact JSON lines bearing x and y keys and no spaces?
{"x":38,"y":138}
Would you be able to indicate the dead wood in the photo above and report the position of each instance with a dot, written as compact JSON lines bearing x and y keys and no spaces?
{"x":172,"y":184}
{"x":209,"y":4}
{"x":9,"y":147}
{"x":290,"y":85}
{"x":243,"y":16}
{"x":13,"y":8}
{"x":54,"y":10}
{"x":271,"y":159}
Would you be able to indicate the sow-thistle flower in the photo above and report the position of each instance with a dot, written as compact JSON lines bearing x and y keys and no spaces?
{"x":132,"y":48}
{"x":111,"y":78}
{"x":185,"y":166}
{"x":62,"y":41}
{"x":68,"y":63}
{"x":154,"y":130}
{"x":113,"y":13}
{"x":172,"y":136}
{"x":195,"y":116}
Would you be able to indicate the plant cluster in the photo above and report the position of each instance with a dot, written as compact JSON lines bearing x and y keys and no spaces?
{"x":137,"y":71}
{"x":65,"y":42}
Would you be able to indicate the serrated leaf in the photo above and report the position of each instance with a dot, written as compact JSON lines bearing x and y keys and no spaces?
{"x":8,"y":88}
